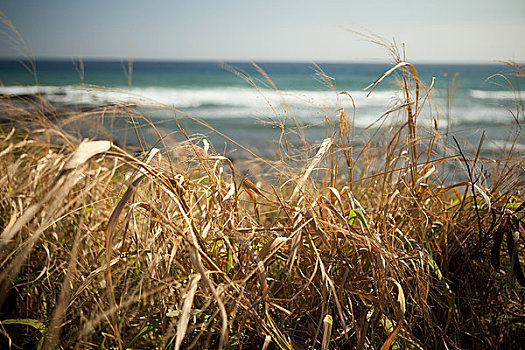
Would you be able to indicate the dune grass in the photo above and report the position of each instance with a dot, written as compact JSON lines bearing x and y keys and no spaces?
{"x":341,"y":247}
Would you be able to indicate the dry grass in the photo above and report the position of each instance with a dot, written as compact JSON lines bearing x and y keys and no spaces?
{"x":348,"y":248}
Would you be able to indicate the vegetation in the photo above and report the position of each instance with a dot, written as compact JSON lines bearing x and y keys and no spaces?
{"x":341,"y":247}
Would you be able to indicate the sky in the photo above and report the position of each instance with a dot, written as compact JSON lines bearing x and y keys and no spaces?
{"x":441,"y":31}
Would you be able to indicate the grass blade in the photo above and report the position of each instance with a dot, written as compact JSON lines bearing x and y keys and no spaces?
{"x":186,"y":310}
{"x":327,"y":331}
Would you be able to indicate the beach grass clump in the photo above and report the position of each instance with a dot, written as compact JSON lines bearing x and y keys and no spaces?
{"x":346,"y":247}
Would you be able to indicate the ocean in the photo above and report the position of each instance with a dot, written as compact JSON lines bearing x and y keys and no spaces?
{"x":239,"y":101}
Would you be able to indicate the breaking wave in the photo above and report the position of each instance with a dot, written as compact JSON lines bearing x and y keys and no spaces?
{"x":203,"y":97}
{"x":494,"y":95}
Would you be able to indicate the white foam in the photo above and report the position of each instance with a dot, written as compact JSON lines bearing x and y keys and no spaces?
{"x":204,"y":97}
{"x":494,"y":95}
{"x":73,"y":94}
{"x":236,"y":102}
{"x":505,"y":144}
{"x":252,"y":98}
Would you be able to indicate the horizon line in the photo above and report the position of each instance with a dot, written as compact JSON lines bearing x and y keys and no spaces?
{"x":236,"y":60}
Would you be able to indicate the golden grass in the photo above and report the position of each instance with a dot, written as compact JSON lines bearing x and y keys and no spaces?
{"x":103,"y":248}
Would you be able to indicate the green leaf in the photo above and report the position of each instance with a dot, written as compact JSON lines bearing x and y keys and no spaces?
{"x":276,"y":334}
{"x":361,"y":217}
{"x":230,"y":260}
{"x":27,"y":322}
{"x":214,"y":246}
{"x":172,"y":313}
{"x":31,"y":323}
{"x":87,"y":210}
{"x":144,"y":330}
{"x":233,"y":343}
{"x":451,"y":295}
{"x":513,"y":205}
{"x":351,"y":217}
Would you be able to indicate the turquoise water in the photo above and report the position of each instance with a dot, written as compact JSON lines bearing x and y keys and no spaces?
{"x":241,"y":108}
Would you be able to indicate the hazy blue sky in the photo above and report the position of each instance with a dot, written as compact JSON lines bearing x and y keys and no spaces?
{"x":294,"y":30}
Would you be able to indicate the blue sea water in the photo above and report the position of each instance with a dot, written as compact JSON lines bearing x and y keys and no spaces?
{"x":246,"y":105}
